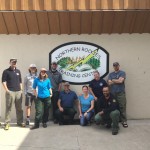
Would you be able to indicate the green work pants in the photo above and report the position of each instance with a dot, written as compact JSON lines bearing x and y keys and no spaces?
{"x":11,"y":98}
{"x":109,"y":118}
{"x":42,"y":106}
{"x":121,"y":99}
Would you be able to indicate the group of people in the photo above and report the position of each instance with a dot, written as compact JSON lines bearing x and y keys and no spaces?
{"x":105,"y":100}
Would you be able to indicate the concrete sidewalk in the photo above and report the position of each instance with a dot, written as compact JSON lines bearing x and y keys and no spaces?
{"x":75,"y":137}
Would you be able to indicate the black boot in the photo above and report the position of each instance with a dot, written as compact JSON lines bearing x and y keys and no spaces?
{"x":44,"y":125}
{"x":34,"y":127}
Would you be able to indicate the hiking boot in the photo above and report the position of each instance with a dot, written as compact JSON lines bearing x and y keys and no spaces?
{"x":44,"y":125}
{"x":27,"y":122}
{"x":61,"y":123}
{"x":89,"y":123}
{"x":114,"y":132}
{"x":21,"y":124}
{"x":34,"y":127}
{"x":6,"y":126}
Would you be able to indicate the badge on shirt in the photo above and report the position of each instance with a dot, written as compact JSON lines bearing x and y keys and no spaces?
{"x":114,"y":100}
{"x":101,"y":84}
{"x":17,"y":74}
{"x":108,"y":103}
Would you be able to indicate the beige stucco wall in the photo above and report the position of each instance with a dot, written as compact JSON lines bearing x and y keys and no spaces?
{"x":132,"y":51}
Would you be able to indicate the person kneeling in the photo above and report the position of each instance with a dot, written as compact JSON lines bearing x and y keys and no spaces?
{"x":108,"y":111}
{"x":86,"y":106}
{"x":66,"y":104}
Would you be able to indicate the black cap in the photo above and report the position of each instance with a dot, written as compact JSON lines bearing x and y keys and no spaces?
{"x":115,"y":64}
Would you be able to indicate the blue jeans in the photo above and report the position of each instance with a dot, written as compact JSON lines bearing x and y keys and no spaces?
{"x":84,"y":120}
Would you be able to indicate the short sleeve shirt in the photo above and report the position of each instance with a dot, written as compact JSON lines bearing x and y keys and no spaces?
{"x":67,"y":99}
{"x":115,"y":88}
{"x":85,"y":103}
{"x":43,"y":87}
{"x":97,"y":87}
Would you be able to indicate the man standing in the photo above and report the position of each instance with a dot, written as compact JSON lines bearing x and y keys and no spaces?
{"x":66,"y":102}
{"x":116,"y":80}
{"x":108,"y":111}
{"x":96,"y":87}
{"x":56,"y":81}
{"x":12,"y":83}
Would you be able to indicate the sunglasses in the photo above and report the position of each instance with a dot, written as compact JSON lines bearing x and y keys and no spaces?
{"x":43,"y":71}
{"x":33,"y":67}
{"x":14,"y":62}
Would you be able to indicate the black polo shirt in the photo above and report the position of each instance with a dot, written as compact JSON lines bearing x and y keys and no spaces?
{"x":12,"y":79}
{"x":97,"y":87}
{"x":107,"y":105}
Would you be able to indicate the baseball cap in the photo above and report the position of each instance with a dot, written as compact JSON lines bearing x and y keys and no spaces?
{"x":43,"y":69}
{"x":54,"y":62}
{"x":13,"y":60}
{"x":66,"y":83}
{"x":32,"y":66}
{"x":115,"y":64}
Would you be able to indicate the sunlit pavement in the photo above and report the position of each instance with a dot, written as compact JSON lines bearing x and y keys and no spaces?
{"x":75,"y":137}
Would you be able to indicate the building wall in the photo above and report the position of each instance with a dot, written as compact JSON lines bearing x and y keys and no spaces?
{"x":131,"y":51}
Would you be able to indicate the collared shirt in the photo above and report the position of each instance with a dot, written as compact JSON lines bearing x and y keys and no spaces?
{"x":43,"y":87}
{"x":28,"y":83}
{"x":85,"y":103}
{"x":67,"y":99}
{"x":56,"y":79}
{"x":107,"y":105}
{"x":12,"y":79}
{"x":117,"y":87}
{"x":97,"y":86}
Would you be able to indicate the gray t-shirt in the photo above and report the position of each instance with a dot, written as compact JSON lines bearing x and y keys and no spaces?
{"x":55,"y":78}
{"x":117,"y":87}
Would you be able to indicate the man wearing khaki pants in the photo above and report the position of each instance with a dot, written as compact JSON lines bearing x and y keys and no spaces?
{"x":12,"y":83}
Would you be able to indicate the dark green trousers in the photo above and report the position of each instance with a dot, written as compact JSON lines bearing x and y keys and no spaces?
{"x":67,"y":111}
{"x":112,"y":117}
{"x":54,"y":99}
{"x":42,"y":106}
{"x":121,"y":99}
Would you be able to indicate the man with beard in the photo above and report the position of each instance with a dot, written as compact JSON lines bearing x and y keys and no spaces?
{"x":116,"y":80}
{"x":56,"y":81}
{"x":108,"y":111}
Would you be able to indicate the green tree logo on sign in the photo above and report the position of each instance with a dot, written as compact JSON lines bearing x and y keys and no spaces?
{"x":77,"y":61}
